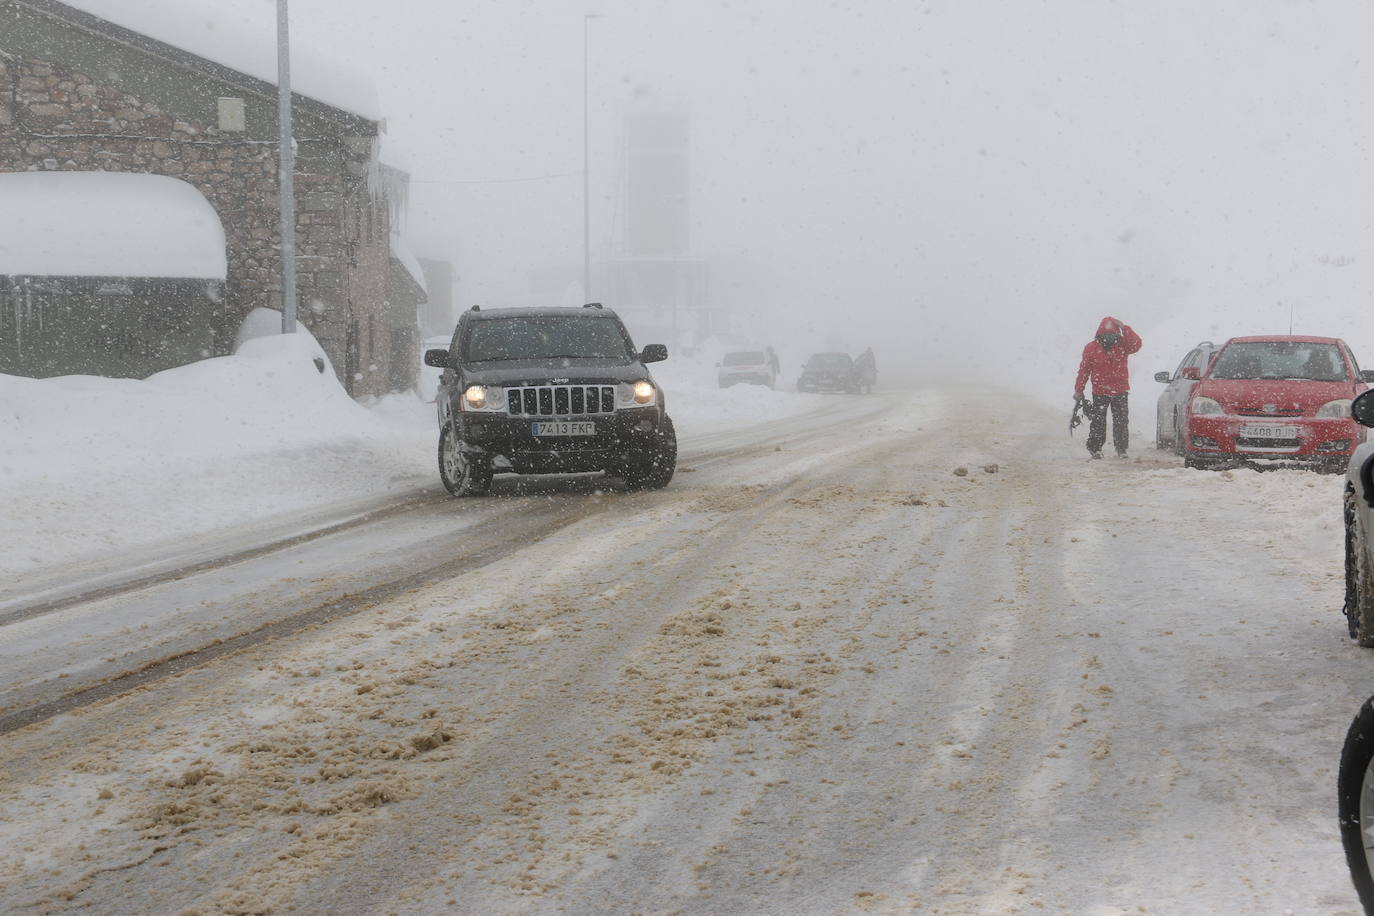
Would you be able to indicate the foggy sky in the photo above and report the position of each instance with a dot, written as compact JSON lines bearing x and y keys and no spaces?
{"x":966,"y":182}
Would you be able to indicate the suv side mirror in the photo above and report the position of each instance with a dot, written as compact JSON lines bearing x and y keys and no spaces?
{"x":654,"y":353}
{"x":1192,"y":373}
{"x":1367,"y":375}
{"x":1362,"y":408}
{"x":438,"y":359}
{"x":1162,"y":377}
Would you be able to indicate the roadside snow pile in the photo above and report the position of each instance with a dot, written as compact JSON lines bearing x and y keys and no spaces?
{"x":91,"y":465}
{"x":258,"y":444}
{"x":269,"y":397}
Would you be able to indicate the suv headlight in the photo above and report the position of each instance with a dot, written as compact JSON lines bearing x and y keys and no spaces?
{"x":1205,"y":407}
{"x":480,"y":397}
{"x":1338,"y":409}
{"x":642,"y":393}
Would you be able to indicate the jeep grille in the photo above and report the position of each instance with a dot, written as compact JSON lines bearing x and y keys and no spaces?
{"x":560,"y":400}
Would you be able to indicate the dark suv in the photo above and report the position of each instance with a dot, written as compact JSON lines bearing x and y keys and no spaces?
{"x":828,"y":372}
{"x":549,"y":391}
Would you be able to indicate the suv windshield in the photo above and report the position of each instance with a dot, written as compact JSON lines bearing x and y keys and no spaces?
{"x":743,"y":358}
{"x":1281,"y":359}
{"x":828,"y":361}
{"x":546,"y":337}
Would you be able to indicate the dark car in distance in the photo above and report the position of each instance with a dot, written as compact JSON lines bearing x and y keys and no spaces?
{"x":828,"y":372}
{"x":549,"y":391}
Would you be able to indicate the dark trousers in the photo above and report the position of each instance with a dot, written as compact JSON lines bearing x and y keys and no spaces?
{"x":1097,"y":422}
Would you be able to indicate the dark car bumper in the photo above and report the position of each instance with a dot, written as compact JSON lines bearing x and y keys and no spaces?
{"x":826,"y":382}
{"x":747,"y":378}
{"x":620,"y":438}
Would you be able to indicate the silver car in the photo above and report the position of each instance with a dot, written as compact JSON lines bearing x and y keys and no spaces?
{"x":1171,"y":409}
{"x":753,"y":367}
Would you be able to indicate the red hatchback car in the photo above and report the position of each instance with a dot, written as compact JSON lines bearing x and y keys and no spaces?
{"x":1279,"y":399}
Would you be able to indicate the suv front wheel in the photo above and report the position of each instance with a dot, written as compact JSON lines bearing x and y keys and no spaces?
{"x":655,"y":466}
{"x":461,"y":476}
{"x":1355,"y":800}
{"x":1359,"y":603}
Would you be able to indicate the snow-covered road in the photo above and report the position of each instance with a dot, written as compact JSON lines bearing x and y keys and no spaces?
{"x":65,"y":645}
{"x":821,"y":672}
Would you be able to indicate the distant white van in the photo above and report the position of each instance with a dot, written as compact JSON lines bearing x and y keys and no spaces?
{"x":752,"y":367}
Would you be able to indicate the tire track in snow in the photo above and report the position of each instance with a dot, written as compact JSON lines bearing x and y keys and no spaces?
{"x":88,"y":683}
{"x":188,"y":798}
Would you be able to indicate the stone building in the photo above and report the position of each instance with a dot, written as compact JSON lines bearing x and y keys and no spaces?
{"x":406,"y":292}
{"x":80,"y":93}
{"x":437,"y":317}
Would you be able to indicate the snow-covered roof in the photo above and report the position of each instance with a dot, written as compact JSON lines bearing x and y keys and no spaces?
{"x":107,"y":224}
{"x":402,"y":253}
{"x":243,"y":40}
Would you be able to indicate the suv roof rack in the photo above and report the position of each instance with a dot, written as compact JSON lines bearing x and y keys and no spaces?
{"x":592,"y":305}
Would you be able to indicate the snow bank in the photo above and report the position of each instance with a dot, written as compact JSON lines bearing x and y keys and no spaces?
{"x":90,"y":466}
{"x":270,"y":396}
{"x":93,"y":468}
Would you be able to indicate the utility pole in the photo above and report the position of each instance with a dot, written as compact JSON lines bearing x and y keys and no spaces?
{"x":286,"y":173}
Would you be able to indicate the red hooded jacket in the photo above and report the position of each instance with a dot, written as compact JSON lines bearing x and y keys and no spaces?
{"x":1107,"y":368}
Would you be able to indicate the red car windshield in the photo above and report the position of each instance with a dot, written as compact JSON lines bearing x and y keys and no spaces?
{"x":1281,"y":359}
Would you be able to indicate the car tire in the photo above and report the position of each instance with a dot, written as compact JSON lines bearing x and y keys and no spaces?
{"x":656,"y":466}
{"x":460,"y":475}
{"x":1359,"y":596}
{"x":1180,"y":438}
{"x":1355,"y":800}
{"x":1191,"y":460}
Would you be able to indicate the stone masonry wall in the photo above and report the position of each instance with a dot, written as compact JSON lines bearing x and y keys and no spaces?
{"x":55,"y":118}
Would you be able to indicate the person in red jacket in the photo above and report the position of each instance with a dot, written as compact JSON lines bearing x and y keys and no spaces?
{"x":1104,"y":361}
